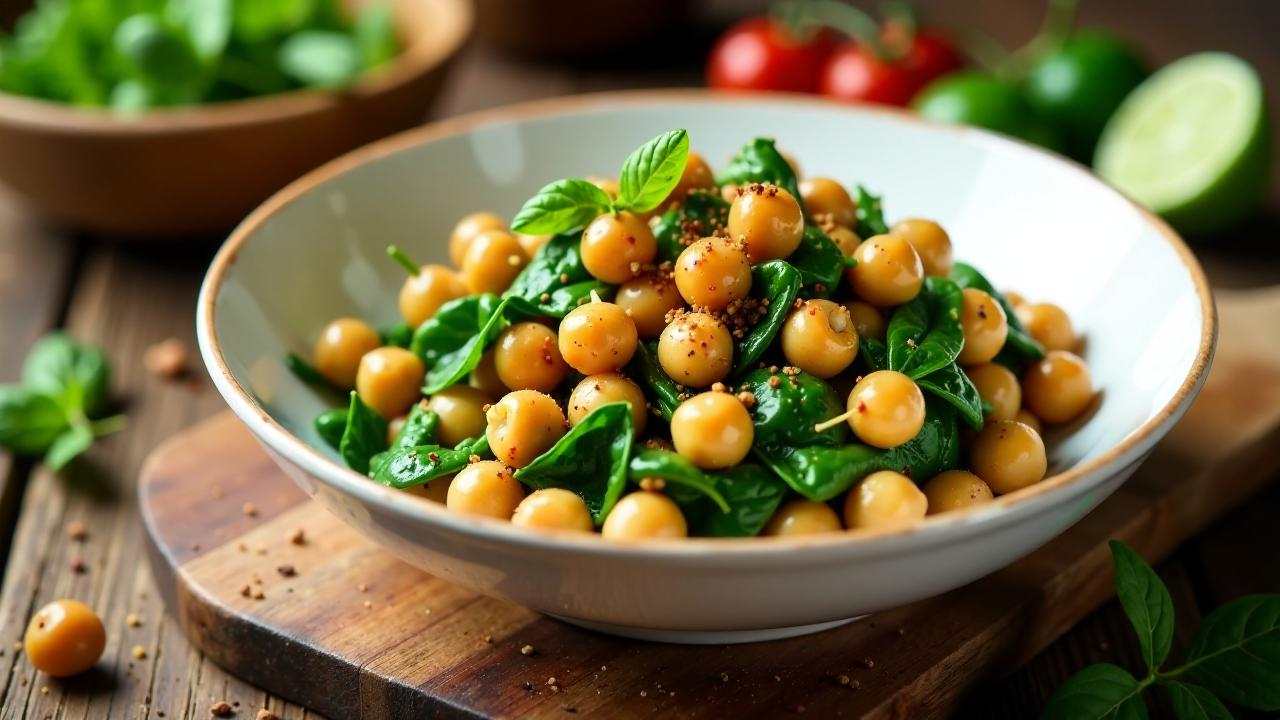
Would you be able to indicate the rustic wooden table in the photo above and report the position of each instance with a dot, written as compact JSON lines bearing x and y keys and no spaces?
{"x":127,"y":297}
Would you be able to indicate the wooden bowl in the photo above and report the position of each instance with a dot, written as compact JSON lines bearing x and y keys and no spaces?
{"x":199,"y":170}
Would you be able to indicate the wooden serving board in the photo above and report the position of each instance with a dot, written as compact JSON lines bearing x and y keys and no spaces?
{"x":346,"y":629}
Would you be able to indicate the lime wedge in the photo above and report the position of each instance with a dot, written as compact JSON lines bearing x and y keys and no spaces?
{"x":1191,"y":143}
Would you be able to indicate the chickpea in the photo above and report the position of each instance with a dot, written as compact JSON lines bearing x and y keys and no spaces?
{"x":886,"y":409}
{"x":339,"y":348}
{"x":485,"y":377}
{"x":523,"y":425}
{"x":697,"y":175}
{"x":802,"y":517}
{"x":615,"y":247}
{"x":712,"y":430}
{"x":1008,"y":455}
{"x":713,"y":272}
{"x":486,"y":488}
{"x":845,"y":239}
{"x":493,"y":260}
{"x":985,"y":327}
{"x":931,"y":243}
{"x":597,"y":337}
{"x":999,"y":386}
{"x":696,"y":350}
{"x":1015,"y":299}
{"x":64,"y":638}
{"x":955,"y":490}
{"x":868,"y":321}
{"x":553,"y":509}
{"x":605,"y":388}
{"x":824,"y":196}
{"x":467,"y":229}
{"x":889,"y":271}
{"x":648,"y":299}
{"x":424,"y":293}
{"x":1049,"y":324}
{"x":389,"y":380}
{"x":1026,"y":417}
{"x":768,"y":220}
{"x":532,"y":243}
{"x":642,"y":515}
{"x":791,"y":162}
{"x":884,"y":499}
{"x":1057,"y":388}
{"x":818,"y":337}
{"x":395,"y":427}
{"x":608,"y":185}
{"x":527,"y":357}
{"x":461,"y":411}
{"x":436,"y":491}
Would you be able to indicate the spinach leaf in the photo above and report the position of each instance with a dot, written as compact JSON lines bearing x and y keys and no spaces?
{"x":925,"y":334}
{"x":206,"y":22}
{"x":456,"y":322}
{"x":820,"y":262}
{"x":30,"y":420}
{"x":789,"y":406}
{"x":750,"y":494}
{"x":561,"y":302}
{"x":1236,"y":652}
{"x":556,"y":266}
{"x":663,"y":392}
{"x":375,"y":34}
{"x":1146,"y":601}
{"x":651,"y":172}
{"x":874,"y":353}
{"x":364,"y":436}
{"x":760,"y":162}
{"x":73,"y":441}
{"x":331,"y":425}
{"x":1101,"y":691}
{"x":398,"y":335}
{"x":321,"y":58}
{"x":457,"y":364}
{"x":870,"y":215}
{"x":778,"y":282}
{"x":74,"y":374}
{"x":1019,"y":344}
{"x":305,"y":371}
{"x":419,"y":428}
{"x":676,"y":470}
{"x":702,"y":214}
{"x":404,"y":467}
{"x":157,"y":55}
{"x":951,"y":384}
{"x":561,"y":206}
{"x":590,"y":460}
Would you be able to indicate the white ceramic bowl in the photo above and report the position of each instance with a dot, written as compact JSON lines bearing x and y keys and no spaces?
{"x":1028,"y":219}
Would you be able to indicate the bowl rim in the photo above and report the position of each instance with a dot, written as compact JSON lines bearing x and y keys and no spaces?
{"x":945,"y":527}
{"x":452,"y":23}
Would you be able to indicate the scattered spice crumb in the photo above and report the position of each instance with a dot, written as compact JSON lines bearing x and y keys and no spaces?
{"x":166,"y":359}
{"x":843,"y":679}
{"x":362,"y":587}
{"x":644,"y":693}
{"x":287,"y":570}
{"x":298,"y":537}
{"x":603,"y":668}
{"x":868,"y":662}
{"x":488,"y":639}
{"x":265,"y":714}
{"x":250,"y":510}
{"x":132,"y":620}
{"x":777,"y":678}
{"x":77,"y":531}
{"x":551,"y":680}
{"x":245,"y":591}
{"x":724,"y":677}
{"x":258,"y":594}
{"x":44,"y":690}
{"x":261,"y":549}
{"x":856,"y":684}
{"x":368,"y":604}
{"x":78,"y":567}
{"x":17,"y":646}
{"x":902,"y":631}
{"x":242,"y":547}
{"x":220,"y":709}
{"x":139,"y":652}
{"x":527,"y":650}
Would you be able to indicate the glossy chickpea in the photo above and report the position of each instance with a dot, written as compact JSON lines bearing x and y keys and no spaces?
{"x":802,"y":517}
{"x":436,"y":491}
{"x":712,"y":430}
{"x":485,"y":377}
{"x":527,"y":357}
{"x":713,"y":272}
{"x":868,"y":321}
{"x":605,"y":388}
{"x":608,"y":185}
{"x":1049,"y":324}
{"x":494,"y":258}
{"x":819,"y":338}
{"x":467,"y":229}
{"x":395,"y":427}
{"x":768,"y":220}
{"x":523,"y":425}
{"x":553,"y":509}
{"x":486,"y":488}
{"x":889,"y":271}
{"x":532,"y":243}
{"x":648,"y":299}
{"x":884,"y":499}
{"x":1015,"y":299}
{"x":424,"y":293}
{"x":1008,"y":456}
{"x":824,"y":196}
{"x":597,"y":337}
{"x":1026,"y":417}
{"x":697,"y":175}
{"x":886,"y":409}
{"x":642,"y":515}
{"x":616,"y":247}
{"x":461,"y":412}
{"x":696,"y":350}
{"x":389,"y":380}
{"x":339,"y":348}
{"x":845,"y":239}
{"x":985,"y":327}
{"x":792,"y":163}
{"x":1057,"y":388}
{"x":955,"y":490}
{"x":64,"y":638}
{"x":999,"y":386}
{"x":931,"y":243}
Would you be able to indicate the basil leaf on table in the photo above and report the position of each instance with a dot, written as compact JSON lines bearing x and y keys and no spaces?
{"x":320,"y":58}
{"x":737,"y":502}
{"x":1099,"y":692}
{"x":785,"y":415}
{"x":420,"y":428}
{"x":75,"y":374}
{"x":457,"y":364}
{"x":30,"y":420}
{"x":456,"y":322}
{"x":1192,"y":702}
{"x":1019,"y":342}
{"x":760,"y":162}
{"x":561,"y":206}
{"x":778,"y":282}
{"x":331,"y":425}
{"x":404,"y":467}
{"x":677,"y":471}
{"x":870,"y":214}
{"x":590,"y":460}
{"x":1236,"y":652}
{"x":1146,"y":602}
{"x":364,"y":436}
{"x":819,"y":262}
{"x":702,"y":214}
{"x":925,"y":335}
{"x":661,"y":390}
{"x":397,"y":335}
{"x":651,"y":172}
{"x":73,"y":441}
{"x":950,"y":384}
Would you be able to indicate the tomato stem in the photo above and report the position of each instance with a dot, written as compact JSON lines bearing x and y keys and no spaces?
{"x":402,"y":260}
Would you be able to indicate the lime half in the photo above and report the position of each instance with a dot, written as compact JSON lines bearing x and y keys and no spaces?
{"x":1191,"y":143}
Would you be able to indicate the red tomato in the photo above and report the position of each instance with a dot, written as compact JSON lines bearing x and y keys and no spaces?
{"x":761,"y":54}
{"x":929,"y":57}
{"x":856,"y":74}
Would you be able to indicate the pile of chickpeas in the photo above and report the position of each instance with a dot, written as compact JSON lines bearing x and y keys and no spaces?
{"x":541,"y":377}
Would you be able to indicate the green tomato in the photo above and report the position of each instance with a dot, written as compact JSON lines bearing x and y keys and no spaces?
{"x":1081,"y":84}
{"x":975,"y":98}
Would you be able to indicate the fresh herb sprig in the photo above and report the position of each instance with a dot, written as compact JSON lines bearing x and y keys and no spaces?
{"x":56,"y":409}
{"x":1233,"y":655}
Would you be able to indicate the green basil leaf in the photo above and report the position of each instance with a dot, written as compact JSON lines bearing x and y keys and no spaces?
{"x":458,"y":364}
{"x":651,"y":172}
{"x":75,"y":440}
{"x":663,"y":392}
{"x":556,"y":265}
{"x":789,"y":406}
{"x":263,"y":19}
{"x":1236,"y":652}
{"x":870,"y":215}
{"x":405,"y":467}
{"x":676,"y":470}
{"x":77,"y":375}
{"x":702,"y":214}
{"x":30,"y":421}
{"x":560,"y":207}
{"x":456,"y":322}
{"x":375,"y":33}
{"x":819,"y":261}
{"x":777,"y":283}
{"x":760,"y":162}
{"x":1019,"y":346}
{"x":156,"y":54}
{"x":320,"y":58}
{"x":1146,"y":601}
{"x":1192,"y":702}
{"x":925,"y":334}
{"x":590,"y":460}
{"x":1099,"y":692}
{"x":364,"y":436}
{"x":398,"y":335}
{"x":420,"y":428}
{"x":206,"y":22}
{"x":331,"y":425}
{"x":304,"y":371}
{"x":951,"y":384}
{"x":130,"y":97}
